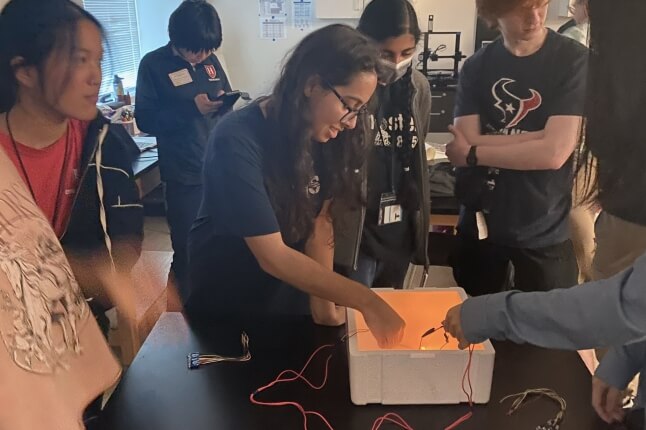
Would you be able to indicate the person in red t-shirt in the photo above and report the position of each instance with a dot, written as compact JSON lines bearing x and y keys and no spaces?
{"x":51,"y":172}
{"x":72,"y":161}
{"x":43,"y":130}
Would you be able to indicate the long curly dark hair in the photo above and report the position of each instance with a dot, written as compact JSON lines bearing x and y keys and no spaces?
{"x":334,"y":54}
{"x":382,"y":20}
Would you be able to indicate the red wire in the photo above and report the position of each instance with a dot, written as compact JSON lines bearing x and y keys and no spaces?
{"x":465,"y":376}
{"x":460,"y":420}
{"x":390,"y":417}
{"x":297,"y":375}
{"x":393,"y":418}
{"x":302,"y":410}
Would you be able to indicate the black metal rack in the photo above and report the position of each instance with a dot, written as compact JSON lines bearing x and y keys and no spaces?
{"x":429,"y":55}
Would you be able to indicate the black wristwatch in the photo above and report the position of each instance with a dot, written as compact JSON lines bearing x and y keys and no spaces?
{"x":472,"y":159}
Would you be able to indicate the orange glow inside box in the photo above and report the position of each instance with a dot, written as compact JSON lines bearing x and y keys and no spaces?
{"x":422,"y":310}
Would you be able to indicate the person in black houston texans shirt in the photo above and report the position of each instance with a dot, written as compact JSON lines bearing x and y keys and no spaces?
{"x":517,"y":121}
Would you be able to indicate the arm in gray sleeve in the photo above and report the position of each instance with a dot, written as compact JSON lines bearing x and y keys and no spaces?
{"x":610,"y":312}
{"x":620,"y":365}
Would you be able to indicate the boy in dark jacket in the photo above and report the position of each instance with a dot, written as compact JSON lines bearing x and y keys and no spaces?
{"x":176,"y":88}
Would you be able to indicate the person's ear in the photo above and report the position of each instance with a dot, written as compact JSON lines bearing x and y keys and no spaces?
{"x":312,"y":85}
{"x":27,"y":76}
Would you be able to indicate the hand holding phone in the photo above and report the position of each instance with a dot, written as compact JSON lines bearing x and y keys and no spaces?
{"x":227,"y":99}
{"x":205,"y":105}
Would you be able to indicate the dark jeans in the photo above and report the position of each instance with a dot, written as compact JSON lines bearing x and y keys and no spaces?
{"x":481,"y":267}
{"x":375,"y":273}
{"x":182,"y":203}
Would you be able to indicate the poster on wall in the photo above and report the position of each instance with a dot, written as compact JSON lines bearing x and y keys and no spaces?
{"x":272,"y":17}
{"x":272,"y":8}
{"x":273,"y":28}
{"x":302,"y":14}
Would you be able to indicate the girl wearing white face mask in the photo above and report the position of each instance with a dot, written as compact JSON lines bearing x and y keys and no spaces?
{"x":394,"y":224}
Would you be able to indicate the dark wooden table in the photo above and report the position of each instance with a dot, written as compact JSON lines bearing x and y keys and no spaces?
{"x":159,"y":392}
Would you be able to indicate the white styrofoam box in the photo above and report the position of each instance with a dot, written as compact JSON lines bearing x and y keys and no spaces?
{"x":406,"y":374}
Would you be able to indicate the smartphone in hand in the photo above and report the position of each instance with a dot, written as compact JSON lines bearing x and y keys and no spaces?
{"x":227,"y":99}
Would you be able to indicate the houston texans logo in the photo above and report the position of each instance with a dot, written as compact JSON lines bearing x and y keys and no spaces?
{"x":514,"y":108}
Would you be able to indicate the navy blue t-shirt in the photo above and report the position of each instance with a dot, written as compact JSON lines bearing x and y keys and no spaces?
{"x":525,"y":209}
{"x":225,"y":278}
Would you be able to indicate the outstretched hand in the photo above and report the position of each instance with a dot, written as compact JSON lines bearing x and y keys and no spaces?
{"x":453,"y":326}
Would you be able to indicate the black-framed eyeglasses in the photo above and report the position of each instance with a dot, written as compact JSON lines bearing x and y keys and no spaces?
{"x":352,"y":113}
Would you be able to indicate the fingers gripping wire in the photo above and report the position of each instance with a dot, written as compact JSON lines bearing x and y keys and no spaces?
{"x":430,"y":332}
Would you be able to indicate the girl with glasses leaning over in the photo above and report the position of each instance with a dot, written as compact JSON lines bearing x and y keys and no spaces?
{"x":263,"y":242}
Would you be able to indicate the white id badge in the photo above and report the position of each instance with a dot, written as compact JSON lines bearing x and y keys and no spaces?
{"x":389,"y":211}
{"x":481,"y":224}
{"x":180,"y":77}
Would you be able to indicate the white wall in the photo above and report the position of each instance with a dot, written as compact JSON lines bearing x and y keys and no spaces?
{"x":554,"y":20}
{"x":153,"y":23}
{"x":254,"y":64}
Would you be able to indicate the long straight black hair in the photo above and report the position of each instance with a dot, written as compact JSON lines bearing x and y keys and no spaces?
{"x":383,"y":19}
{"x":615,"y":139}
{"x":380,"y":21}
{"x":334,"y":54}
{"x":34,"y":30}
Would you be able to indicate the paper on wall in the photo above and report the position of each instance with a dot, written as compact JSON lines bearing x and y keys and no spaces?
{"x":302,"y":14}
{"x":273,"y":28}
{"x":272,"y":8}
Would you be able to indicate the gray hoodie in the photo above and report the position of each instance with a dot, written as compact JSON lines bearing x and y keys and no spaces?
{"x":348,"y":223}
{"x":606,"y":313}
